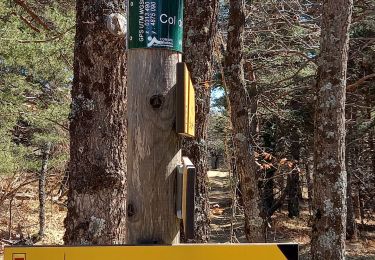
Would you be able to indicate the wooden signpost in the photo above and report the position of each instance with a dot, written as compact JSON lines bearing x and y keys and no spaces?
{"x":155,"y":45}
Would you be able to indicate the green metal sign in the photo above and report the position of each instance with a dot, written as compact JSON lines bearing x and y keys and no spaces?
{"x":155,"y":24}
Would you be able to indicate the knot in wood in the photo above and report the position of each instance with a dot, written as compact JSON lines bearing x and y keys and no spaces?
{"x":116,"y":24}
{"x":130,"y":210}
{"x":156,"y":101}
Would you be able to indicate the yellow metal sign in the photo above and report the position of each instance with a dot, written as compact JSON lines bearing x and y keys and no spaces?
{"x":181,"y":252}
{"x":185,"y":121}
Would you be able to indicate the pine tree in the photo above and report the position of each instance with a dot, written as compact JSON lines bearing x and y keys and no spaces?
{"x":330,"y":183}
{"x":96,"y":199}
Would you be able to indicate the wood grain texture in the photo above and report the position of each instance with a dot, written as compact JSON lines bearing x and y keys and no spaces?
{"x":153,"y":150}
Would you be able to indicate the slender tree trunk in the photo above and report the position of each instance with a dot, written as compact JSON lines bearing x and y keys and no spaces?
{"x":329,"y":222}
{"x":10,"y":226}
{"x":217,"y":160}
{"x":351,"y":166}
{"x":309,"y":180}
{"x":241,"y":101}
{"x":200,"y":27}
{"x":42,"y":189}
{"x":372,"y":147}
{"x":97,"y":180}
{"x":293,"y":197}
{"x":351,"y":224}
{"x":282,"y":186}
{"x":371,"y":133}
{"x":357,"y":213}
{"x":293,"y":178}
{"x":361,"y":205}
{"x":268,"y":197}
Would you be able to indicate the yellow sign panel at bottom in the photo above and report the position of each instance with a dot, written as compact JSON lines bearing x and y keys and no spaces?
{"x":181,"y":252}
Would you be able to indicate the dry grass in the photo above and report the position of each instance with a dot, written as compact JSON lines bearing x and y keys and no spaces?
{"x":25,"y":222}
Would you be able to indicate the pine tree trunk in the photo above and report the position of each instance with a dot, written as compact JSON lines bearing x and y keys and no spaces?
{"x":351,"y":166}
{"x":309,"y":180}
{"x":351,"y":224}
{"x":293,"y":197}
{"x":371,"y":132}
{"x":42,"y":189}
{"x":268,"y":197}
{"x":357,"y":212}
{"x":198,"y":49}
{"x":96,"y":199}
{"x":241,"y":101}
{"x":330,"y":180}
{"x":361,"y":205}
{"x":293,"y":178}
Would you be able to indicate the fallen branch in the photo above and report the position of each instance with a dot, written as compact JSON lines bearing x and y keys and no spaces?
{"x":354,"y":86}
{"x":14,"y":191}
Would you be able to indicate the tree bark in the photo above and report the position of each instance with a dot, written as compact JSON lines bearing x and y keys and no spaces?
{"x":352,"y":166}
{"x":309,"y":180}
{"x":371,"y":131}
{"x":329,"y":221}
{"x":361,"y":205}
{"x":42,"y":189}
{"x":97,"y":181}
{"x":241,"y":101}
{"x":268,"y":197}
{"x":357,"y":213}
{"x":199,"y":42}
{"x":293,"y":178}
{"x":351,"y":224}
{"x":293,"y":197}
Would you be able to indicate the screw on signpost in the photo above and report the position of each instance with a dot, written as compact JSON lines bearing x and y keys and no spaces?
{"x":154,"y":49}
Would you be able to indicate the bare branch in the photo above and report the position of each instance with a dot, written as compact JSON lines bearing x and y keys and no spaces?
{"x":354,"y":86}
{"x":35,"y":16}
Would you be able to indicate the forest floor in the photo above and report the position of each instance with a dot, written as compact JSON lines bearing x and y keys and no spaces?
{"x":283,"y":229}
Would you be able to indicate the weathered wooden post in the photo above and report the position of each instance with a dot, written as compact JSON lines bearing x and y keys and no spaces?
{"x":155,"y":45}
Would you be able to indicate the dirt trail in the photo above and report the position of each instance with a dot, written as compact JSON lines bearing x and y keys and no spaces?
{"x":282,"y":230}
{"x":221,"y":210}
